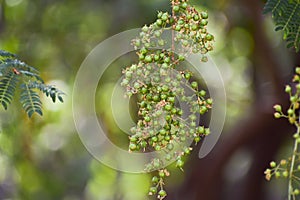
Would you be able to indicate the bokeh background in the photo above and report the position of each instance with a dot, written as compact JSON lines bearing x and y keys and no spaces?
{"x":43,"y":157}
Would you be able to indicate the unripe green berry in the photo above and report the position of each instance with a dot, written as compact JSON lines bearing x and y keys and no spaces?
{"x":143,"y":104}
{"x":195,"y":50}
{"x":197,"y":139}
{"x":207,"y":131}
{"x":171,"y":99}
{"x":165,"y":17}
{"x":187,"y":150}
{"x":187,"y":75}
{"x":167,"y":60}
{"x":201,"y":130}
{"x":297,"y":70}
{"x":148,"y":59}
{"x":162,"y":193}
{"x":145,"y":29}
{"x":277,"y":115}
{"x":176,"y":8}
{"x":293,"y":99}
{"x":288,"y":89}
{"x":272,"y":164}
{"x":209,"y":101}
{"x":136,"y":85}
{"x":155,"y":179}
{"x":133,"y":139}
{"x":164,"y":66}
{"x":181,"y":58}
{"x":204,"y":59}
{"x":137,"y":43}
{"x":161,"y":42}
{"x":177,"y":28}
{"x":290,"y":111}
{"x":162,"y":132}
{"x":147,"y":45}
{"x":194,"y":27}
{"x":154,"y":139}
{"x":283,"y":162}
{"x":149,"y":97}
{"x":277,"y":108}
{"x":128,"y":74}
{"x":179,"y":163}
{"x":165,"y":88}
{"x":156,"y":163}
{"x":147,"y":119}
{"x":159,"y":22}
{"x":193,"y":117}
{"x":203,"y":110}
{"x":209,"y":37}
{"x":125,"y":82}
{"x":168,"y":107}
{"x":156,"y":57}
{"x":167,"y":138}
{"x":202,"y":93}
{"x":185,"y":43}
{"x":168,"y":157}
{"x":153,"y":190}
{"x":141,"y":57}
{"x":161,"y":173}
{"x":132,"y":146}
{"x":174,"y":111}
{"x":170,"y":146}
{"x":183,"y":138}
{"x":143,"y":50}
{"x":157,"y":147}
{"x":184,"y":5}
{"x":204,"y":15}
{"x":163,"y":96}
{"x":203,"y":22}
{"x":196,"y":17}
{"x":292,"y":120}
{"x":143,"y":144}
{"x":157,"y":33}
{"x":194,"y":85}
{"x":156,"y":98}
{"x":285,"y":174}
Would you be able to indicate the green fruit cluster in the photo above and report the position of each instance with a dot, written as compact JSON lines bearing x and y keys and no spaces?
{"x":289,"y":168}
{"x":161,"y":89}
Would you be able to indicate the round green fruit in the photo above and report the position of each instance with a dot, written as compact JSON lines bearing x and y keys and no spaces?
{"x":176,"y":8}
{"x":162,"y":193}
{"x":204,"y":15}
{"x":153,"y":190}
{"x":209,"y":37}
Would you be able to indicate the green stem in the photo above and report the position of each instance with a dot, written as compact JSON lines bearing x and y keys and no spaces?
{"x":291,"y":170}
{"x":292,"y":165}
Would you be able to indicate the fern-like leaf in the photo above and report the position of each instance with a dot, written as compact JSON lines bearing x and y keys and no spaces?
{"x":7,"y":88}
{"x":30,"y":100}
{"x":286,"y":15}
{"x":13,"y":70}
{"x":6,"y":54}
{"x":21,"y":65}
{"x":49,"y":90}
